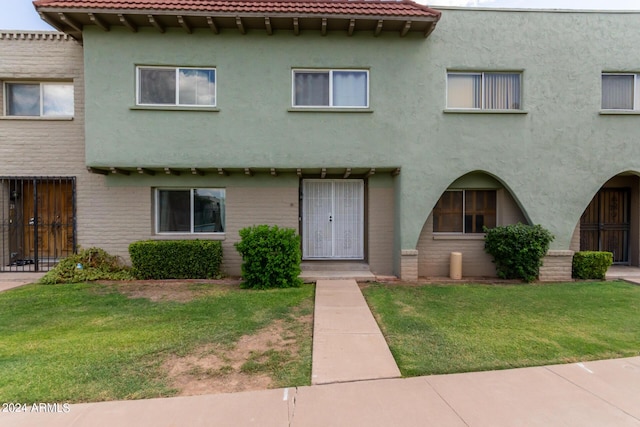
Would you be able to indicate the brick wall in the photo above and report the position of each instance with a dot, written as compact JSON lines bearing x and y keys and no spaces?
{"x":556,"y":266}
{"x":435,"y":249}
{"x":106,"y":217}
{"x":380,"y":230}
{"x":252,"y":206}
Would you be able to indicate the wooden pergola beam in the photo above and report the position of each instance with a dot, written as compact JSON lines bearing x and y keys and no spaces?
{"x":98,"y":171}
{"x":405,"y":29}
{"x":267,"y":25}
{"x":212,"y":25}
{"x":155,"y":23}
{"x":430,"y":29}
{"x":170,"y":171}
{"x":70,"y":22}
{"x":240,"y":25}
{"x":222,"y":172}
{"x":378,"y":29}
{"x":299,"y":172}
{"x":248,"y":171}
{"x":395,"y":172}
{"x":323,"y":30}
{"x":352,"y":27}
{"x":196,"y":171}
{"x":274,"y":172}
{"x":296,"y":27}
{"x":371,"y":172}
{"x":323,"y":173}
{"x":184,"y":24}
{"x":119,"y":171}
{"x":146,"y":171}
{"x":127,"y":23}
{"x":347,"y":172}
{"x":98,"y":22}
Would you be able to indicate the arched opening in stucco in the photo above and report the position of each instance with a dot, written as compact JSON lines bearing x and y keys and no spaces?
{"x":611,"y":220}
{"x":456,"y":221}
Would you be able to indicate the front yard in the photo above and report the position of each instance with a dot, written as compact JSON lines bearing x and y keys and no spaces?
{"x":93,"y":342}
{"x":459,"y":328}
{"x":123,"y":340}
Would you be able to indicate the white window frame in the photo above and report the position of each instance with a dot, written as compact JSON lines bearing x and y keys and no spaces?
{"x":636,"y":91}
{"x":42,"y":84}
{"x":177,"y":88}
{"x":191,"y":212}
{"x":330,"y":71}
{"x":464,"y":211}
{"x":482,"y":87}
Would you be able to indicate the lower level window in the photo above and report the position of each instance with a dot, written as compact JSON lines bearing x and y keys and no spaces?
{"x":465,"y":211}
{"x":196,"y":210}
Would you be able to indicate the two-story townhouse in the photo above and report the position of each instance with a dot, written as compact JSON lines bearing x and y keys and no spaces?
{"x":379,"y":139}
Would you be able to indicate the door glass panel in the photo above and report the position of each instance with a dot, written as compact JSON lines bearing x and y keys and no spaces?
{"x":317,"y":206}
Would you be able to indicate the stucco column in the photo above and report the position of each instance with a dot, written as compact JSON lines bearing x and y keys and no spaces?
{"x":409,"y":265}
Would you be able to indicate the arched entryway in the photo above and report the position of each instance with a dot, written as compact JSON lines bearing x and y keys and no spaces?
{"x":610,"y":222}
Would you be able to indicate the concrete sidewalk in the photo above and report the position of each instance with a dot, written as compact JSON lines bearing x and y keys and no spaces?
{"x":347,"y":342}
{"x":14,"y":280}
{"x":602,"y":393}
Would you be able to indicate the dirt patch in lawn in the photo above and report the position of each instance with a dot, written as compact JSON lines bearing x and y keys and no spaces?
{"x":251,"y":364}
{"x":246,"y":366}
{"x":173,"y":290}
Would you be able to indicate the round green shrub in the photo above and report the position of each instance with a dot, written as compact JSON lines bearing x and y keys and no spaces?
{"x":271,"y":257}
{"x":518,"y":250}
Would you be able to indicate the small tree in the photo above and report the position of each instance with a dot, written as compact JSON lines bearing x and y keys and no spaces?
{"x":271,"y":257}
{"x":518,"y":250}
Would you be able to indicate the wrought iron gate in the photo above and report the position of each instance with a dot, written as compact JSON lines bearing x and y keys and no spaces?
{"x":604,"y":225}
{"x":37,"y":222}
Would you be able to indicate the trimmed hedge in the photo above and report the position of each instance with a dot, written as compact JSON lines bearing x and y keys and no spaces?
{"x":85,"y":266}
{"x":591,"y":264}
{"x":518,"y":250}
{"x":176,"y":259}
{"x":270,"y":257}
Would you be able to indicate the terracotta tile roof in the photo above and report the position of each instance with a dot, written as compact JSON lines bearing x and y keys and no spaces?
{"x":321,"y":7}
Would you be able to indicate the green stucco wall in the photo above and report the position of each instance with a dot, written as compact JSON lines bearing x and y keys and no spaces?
{"x":553,"y":158}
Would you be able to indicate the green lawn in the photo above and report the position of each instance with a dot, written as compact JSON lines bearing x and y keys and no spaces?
{"x":91,"y":342}
{"x":434,"y":329}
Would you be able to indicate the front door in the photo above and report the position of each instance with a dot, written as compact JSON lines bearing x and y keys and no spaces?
{"x":38,"y":222}
{"x":604,"y":225}
{"x":333,"y":219}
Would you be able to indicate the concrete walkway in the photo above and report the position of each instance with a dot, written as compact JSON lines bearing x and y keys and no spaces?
{"x":347,"y":342}
{"x":13,"y":280}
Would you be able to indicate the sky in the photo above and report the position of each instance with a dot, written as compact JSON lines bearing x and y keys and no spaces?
{"x":20,"y":14}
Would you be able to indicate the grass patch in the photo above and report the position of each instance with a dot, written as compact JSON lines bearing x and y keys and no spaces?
{"x":90,"y":342}
{"x":435,"y":329}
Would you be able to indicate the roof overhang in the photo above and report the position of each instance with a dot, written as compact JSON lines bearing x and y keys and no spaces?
{"x":306,"y":172}
{"x":72,"y":17}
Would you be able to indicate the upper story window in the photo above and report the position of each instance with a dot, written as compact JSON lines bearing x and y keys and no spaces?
{"x":39,"y":99}
{"x":331,"y":88}
{"x":620,"y":91}
{"x":192,"y":87}
{"x":465,"y":211}
{"x":187,"y":211}
{"x":484,"y":91}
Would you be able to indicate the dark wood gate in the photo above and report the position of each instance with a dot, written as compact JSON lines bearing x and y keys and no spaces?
{"x":37,"y":222}
{"x":604,"y":225}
